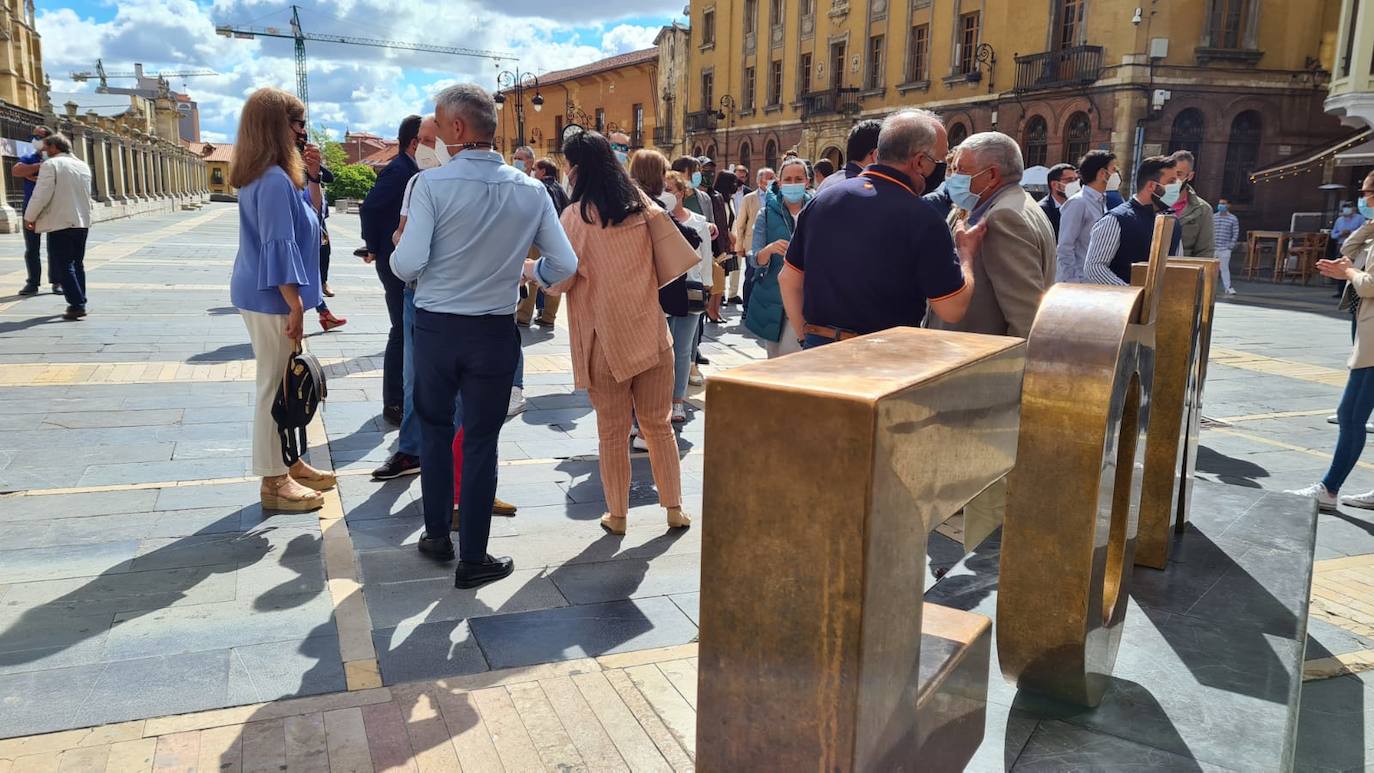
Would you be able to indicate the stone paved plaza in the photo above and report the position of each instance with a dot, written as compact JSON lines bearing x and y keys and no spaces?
{"x":140,"y":580}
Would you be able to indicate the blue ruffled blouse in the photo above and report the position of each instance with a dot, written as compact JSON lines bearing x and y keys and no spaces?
{"x":279,"y":244}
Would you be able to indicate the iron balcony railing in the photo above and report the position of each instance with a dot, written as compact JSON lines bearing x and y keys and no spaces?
{"x":1075,"y":66}
{"x":701,"y":121}
{"x":842,"y":101}
{"x":663,"y":136}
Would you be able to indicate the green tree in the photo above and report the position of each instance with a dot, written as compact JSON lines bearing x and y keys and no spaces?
{"x":351,"y":181}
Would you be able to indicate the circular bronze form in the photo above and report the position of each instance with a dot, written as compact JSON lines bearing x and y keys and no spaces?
{"x":1072,"y":500}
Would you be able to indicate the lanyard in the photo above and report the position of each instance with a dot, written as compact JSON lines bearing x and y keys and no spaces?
{"x":871,"y":173}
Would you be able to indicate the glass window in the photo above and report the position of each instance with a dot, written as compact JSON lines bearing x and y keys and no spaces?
{"x":775,"y":83}
{"x":968,"y":43}
{"x":775,"y":12}
{"x":804,"y":74}
{"x":1078,"y":134}
{"x":601,"y":119}
{"x":1187,"y":132}
{"x":875,"y":62}
{"x":1346,"y":66}
{"x":638,"y":112}
{"x":1036,"y":142}
{"x":957,"y":134}
{"x":1229,"y":19}
{"x":918,"y":54}
{"x":744,"y":151}
{"x":708,"y":90}
{"x":749,"y":88}
{"x":1242,"y":156}
{"x":708,"y":28}
{"x":1070,"y":19}
{"x":770,"y":154}
{"x":751,"y":12}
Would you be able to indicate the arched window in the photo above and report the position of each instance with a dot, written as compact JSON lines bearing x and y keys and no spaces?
{"x":1078,"y":134}
{"x":696,"y":151}
{"x":835,"y":155}
{"x":744,"y":153}
{"x":957,"y":134}
{"x":1187,"y":132}
{"x":770,"y":154}
{"x":711,"y":152}
{"x":1242,"y":155}
{"x":1037,"y":142}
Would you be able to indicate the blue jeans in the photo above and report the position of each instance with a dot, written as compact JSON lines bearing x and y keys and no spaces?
{"x":811,"y":341}
{"x":684,"y":330}
{"x":520,"y":365}
{"x":409,"y":441}
{"x":1356,"y":405}
{"x":474,"y":357}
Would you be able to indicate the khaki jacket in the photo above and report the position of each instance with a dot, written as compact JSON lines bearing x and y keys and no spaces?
{"x":62,"y":197}
{"x":1359,"y":247}
{"x":1012,"y":270}
{"x":744,"y":222}
{"x":1199,"y":239}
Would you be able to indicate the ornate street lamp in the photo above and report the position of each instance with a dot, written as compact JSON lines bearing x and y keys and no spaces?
{"x":726,"y":113}
{"x":517,"y":83}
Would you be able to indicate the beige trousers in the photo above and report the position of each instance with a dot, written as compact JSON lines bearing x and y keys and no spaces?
{"x":984,"y":514}
{"x":524,"y":313}
{"x":271,"y":351}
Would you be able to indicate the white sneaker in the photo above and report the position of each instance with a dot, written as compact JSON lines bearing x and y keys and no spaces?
{"x":1230,"y":291}
{"x":1363,"y":501}
{"x":1326,"y":501}
{"x":679,"y":412}
{"x":1333,"y":419}
{"x":637,"y":443}
{"x":518,"y":403}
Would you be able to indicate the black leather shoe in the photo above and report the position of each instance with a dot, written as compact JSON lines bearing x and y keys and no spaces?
{"x":473,"y":574}
{"x":29,"y":290}
{"x":701,"y":360}
{"x":57,"y":289}
{"x":74,"y":312}
{"x":736,"y":301}
{"x":399,"y":464}
{"x":437,"y":549}
{"x":393,"y":414}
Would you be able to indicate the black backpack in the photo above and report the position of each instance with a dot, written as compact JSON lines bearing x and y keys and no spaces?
{"x":298,"y":398}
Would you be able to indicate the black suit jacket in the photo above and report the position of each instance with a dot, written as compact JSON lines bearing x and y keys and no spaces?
{"x":380,"y":212}
{"x":1052,"y":212}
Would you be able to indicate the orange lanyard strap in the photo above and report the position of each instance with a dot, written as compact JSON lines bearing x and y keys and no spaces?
{"x":871,"y":173}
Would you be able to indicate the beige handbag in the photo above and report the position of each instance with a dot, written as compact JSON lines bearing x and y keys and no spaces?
{"x":673,"y":256}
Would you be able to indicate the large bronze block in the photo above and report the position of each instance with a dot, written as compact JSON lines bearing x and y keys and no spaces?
{"x":1211,"y":281}
{"x":824,"y":472}
{"x":1172,"y":400}
{"x":1068,"y":542}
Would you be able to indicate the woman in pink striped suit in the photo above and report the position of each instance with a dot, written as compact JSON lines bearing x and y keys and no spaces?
{"x":621,"y":351}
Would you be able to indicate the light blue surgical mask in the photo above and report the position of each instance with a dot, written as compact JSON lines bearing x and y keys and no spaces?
{"x":1366,"y":210}
{"x":1223,"y":208}
{"x":958,"y":187}
{"x":793,"y":192}
{"x":1347,"y":211}
{"x":1171,"y":193}
{"x":696,"y":179}
{"x":622,"y":157}
{"x":518,"y":163}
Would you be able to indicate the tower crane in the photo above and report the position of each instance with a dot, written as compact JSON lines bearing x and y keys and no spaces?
{"x":297,"y":34}
{"x":103,"y":76}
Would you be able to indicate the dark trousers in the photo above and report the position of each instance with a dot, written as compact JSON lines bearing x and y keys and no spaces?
{"x":33,"y":259}
{"x":475,"y":358}
{"x":67,"y":253}
{"x":748,"y":288}
{"x":324,"y":276}
{"x":393,"y":365}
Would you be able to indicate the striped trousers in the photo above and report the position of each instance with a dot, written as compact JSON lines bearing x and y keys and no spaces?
{"x":648,"y":397}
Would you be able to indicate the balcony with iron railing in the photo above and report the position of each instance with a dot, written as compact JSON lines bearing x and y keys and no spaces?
{"x":701,"y":121}
{"x":663,"y":136}
{"x":832,"y":102}
{"x":1073,"y":66}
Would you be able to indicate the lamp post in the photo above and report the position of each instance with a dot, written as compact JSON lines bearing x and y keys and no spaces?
{"x":726,"y":113}
{"x":517,"y":82}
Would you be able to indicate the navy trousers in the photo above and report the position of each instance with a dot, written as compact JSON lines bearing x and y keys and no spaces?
{"x":67,"y":254}
{"x":474,"y":357}
{"x":393,"y":375}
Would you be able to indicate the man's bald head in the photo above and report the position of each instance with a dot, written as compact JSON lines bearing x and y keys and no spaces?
{"x":429,"y":131}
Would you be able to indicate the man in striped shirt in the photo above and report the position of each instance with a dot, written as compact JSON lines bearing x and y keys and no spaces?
{"x":1124,"y":236}
{"x":1226,"y":232}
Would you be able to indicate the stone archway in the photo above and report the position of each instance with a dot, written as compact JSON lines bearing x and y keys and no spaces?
{"x":835,"y":155}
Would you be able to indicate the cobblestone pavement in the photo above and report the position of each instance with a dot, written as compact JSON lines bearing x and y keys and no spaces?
{"x":140,"y":579}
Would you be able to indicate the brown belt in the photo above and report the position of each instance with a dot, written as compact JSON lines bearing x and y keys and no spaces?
{"x":833,"y":333}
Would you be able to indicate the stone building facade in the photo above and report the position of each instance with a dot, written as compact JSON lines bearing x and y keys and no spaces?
{"x":1239,"y":82}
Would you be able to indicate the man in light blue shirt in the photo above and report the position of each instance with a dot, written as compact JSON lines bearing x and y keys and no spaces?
{"x":1097,"y":173}
{"x":471,"y":224}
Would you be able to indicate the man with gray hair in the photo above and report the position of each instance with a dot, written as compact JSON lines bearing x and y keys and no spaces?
{"x":1194,"y":214}
{"x":61,"y":208}
{"x":745,"y":215}
{"x":868,"y":254}
{"x":1012,"y":270}
{"x":522,"y":158}
{"x":470,"y":227}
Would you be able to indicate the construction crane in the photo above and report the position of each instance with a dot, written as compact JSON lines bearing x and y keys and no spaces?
{"x":300,"y":36}
{"x":100,"y":73}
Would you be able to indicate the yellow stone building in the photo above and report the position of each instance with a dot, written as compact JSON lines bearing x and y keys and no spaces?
{"x":1239,"y":82}
{"x":21,"y":62}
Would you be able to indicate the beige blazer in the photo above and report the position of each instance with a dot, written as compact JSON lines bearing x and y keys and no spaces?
{"x":1359,"y":247}
{"x":62,"y":197}
{"x":744,"y":222}
{"x":1012,"y":270}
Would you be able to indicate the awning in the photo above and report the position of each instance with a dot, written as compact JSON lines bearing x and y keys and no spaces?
{"x":1360,"y":155}
{"x":1295,"y":165}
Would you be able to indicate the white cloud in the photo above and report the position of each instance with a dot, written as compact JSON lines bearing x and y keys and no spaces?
{"x":351,"y":87}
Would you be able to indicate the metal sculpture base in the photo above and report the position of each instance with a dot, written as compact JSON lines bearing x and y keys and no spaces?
{"x":1208,"y":672}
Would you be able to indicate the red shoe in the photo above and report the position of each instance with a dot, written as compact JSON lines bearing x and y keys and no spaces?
{"x":328,"y":321}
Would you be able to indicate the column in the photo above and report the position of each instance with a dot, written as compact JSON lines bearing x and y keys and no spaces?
{"x":136,"y":173}
{"x":166,"y":172}
{"x":117,"y":169}
{"x":148,"y":171}
{"x":100,"y":167}
{"x":11,"y":221}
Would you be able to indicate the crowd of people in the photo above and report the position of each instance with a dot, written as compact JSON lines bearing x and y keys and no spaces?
{"x":469,"y":246}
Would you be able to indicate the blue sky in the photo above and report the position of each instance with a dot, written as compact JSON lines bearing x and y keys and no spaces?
{"x":350,"y":87}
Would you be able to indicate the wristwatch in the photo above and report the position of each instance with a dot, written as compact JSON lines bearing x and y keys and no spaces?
{"x":313,"y":179}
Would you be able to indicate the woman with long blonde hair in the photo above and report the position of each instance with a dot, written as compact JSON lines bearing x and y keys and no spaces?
{"x":277,"y":273}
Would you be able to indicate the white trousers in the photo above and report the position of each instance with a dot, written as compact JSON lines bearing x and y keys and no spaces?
{"x":271,"y":351}
{"x":1225,"y":258}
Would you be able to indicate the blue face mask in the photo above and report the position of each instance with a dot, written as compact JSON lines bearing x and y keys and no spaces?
{"x":622,"y":157}
{"x":696,"y":179}
{"x":1171,"y":193}
{"x":1366,"y":210}
{"x":1223,"y":208}
{"x":793,"y":192}
{"x":958,"y":187}
{"x":518,"y":163}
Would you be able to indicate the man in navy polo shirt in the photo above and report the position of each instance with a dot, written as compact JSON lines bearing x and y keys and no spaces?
{"x":27,"y":170}
{"x":868,"y":253}
{"x":1124,"y":236}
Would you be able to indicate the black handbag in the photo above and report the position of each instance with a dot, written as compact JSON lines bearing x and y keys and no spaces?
{"x":299,"y":396}
{"x":696,"y":297}
{"x":730,"y":264}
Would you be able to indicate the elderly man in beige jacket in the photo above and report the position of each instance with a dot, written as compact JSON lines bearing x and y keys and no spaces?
{"x":61,"y":208}
{"x":750,"y":206}
{"x":1013,"y":268}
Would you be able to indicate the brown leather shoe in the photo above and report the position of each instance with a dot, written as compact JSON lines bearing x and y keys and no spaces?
{"x":289,"y":496}
{"x":613,"y":524}
{"x":314,"y":479}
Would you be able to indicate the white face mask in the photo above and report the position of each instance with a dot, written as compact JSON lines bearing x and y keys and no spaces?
{"x":668,"y":200}
{"x":1114,"y":182}
{"x":1072,"y":188}
{"x":427,"y":157}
